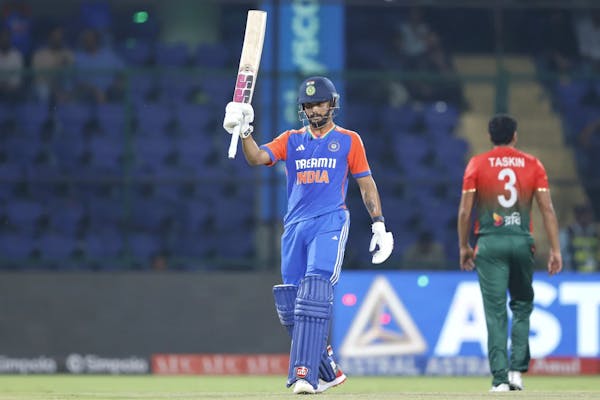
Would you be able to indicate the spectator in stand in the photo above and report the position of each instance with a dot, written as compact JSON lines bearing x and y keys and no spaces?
{"x":49,"y":62}
{"x":98,"y":68}
{"x":425,"y":253}
{"x":417,"y":48}
{"x":11,"y":66}
{"x":580,"y":242}
{"x":16,"y":17}
{"x":587,"y":158}
{"x":587,"y":29}
{"x":557,"y":43}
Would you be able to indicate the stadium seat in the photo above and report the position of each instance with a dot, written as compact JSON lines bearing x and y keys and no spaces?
{"x":16,"y":247}
{"x":21,"y":150}
{"x":56,"y":247}
{"x":399,"y":120}
{"x":569,"y":94}
{"x":194,"y":119}
{"x":152,"y":119}
{"x":137,"y":52}
{"x":440,"y":117}
{"x":24,"y":215}
{"x":73,"y":114}
{"x":198,"y":245}
{"x":151,"y":214}
{"x":143,"y":246}
{"x":103,"y":246}
{"x":451,"y":151}
{"x":212,"y":55}
{"x":67,"y":217}
{"x":111,"y":118}
{"x":192,"y":151}
{"x":141,"y":84}
{"x":172,"y":55}
{"x":150,"y":153}
{"x":106,"y":154}
{"x":410,"y":149}
{"x":31,"y":118}
{"x":239,"y":244}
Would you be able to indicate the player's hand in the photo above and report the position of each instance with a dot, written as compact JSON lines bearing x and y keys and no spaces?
{"x":382,"y":239}
{"x":239,"y":115}
{"x":467,"y":258}
{"x":554,"y":262}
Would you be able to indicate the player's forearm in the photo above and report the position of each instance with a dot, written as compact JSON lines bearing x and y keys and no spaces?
{"x":370,"y":196}
{"x":463,"y":228}
{"x":551,"y":225}
{"x":549,"y":216}
{"x":464,"y":217}
{"x":251,"y":151}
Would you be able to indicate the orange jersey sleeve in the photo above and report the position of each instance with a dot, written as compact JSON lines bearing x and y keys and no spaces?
{"x":470,"y":176}
{"x":278,"y":147}
{"x":357,"y":156}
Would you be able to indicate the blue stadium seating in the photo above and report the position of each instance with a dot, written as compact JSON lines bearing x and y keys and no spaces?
{"x":103,"y":245}
{"x":440,"y":118}
{"x":143,"y":247}
{"x":106,"y":154}
{"x":24,"y":214}
{"x":137,"y":52}
{"x":152,"y":118}
{"x":16,"y":247}
{"x":212,"y":56}
{"x":57,"y":247}
{"x":31,"y":118}
{"x":172,"y":55}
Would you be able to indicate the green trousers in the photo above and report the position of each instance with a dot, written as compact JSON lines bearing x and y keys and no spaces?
{"x":505,"y":263}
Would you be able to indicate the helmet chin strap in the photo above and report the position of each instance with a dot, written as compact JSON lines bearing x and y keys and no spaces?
{"x":323,"y":121}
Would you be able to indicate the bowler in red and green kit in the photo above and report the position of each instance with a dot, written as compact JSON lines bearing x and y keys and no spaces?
{"x":501,"y":185}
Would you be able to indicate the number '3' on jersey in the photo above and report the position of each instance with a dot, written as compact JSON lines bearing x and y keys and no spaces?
{"x":504,"y":180}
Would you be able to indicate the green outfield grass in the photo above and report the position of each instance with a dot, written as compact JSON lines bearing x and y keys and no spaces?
{"x":71,"y":387}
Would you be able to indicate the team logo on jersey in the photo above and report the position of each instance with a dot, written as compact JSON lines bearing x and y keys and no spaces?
{"x":310,"y":89}
{"x":498,"y":220}
{"x":512,"y":219}
{"x":333,"y":146}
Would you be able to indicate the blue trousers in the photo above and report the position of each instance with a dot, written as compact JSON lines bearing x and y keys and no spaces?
{"x":314,"y":247}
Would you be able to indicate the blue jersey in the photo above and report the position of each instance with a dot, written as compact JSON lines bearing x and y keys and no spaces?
{"x":317,"y":169}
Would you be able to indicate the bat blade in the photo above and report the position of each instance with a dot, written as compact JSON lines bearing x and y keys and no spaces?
{"x":254,"y":37}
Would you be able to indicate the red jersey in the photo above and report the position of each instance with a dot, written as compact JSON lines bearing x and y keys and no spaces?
{"x":505,"y":180}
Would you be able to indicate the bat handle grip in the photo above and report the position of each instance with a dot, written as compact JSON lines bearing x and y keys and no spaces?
{"x":235,"y":136}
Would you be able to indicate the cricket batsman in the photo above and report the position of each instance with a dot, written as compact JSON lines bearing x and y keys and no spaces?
{"x":318,"y":159}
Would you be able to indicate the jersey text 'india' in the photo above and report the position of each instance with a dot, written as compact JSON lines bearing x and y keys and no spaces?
{"x":316,"y":176}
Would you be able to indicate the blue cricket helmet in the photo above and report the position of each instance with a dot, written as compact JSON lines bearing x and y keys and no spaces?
{"x":317,"y":89}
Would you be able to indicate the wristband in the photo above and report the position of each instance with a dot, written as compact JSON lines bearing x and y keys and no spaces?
{"x":378,"y":219}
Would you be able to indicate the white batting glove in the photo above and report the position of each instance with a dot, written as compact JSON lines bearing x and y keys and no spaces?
{"x":239,"y":114}
{"x":382,"y":239}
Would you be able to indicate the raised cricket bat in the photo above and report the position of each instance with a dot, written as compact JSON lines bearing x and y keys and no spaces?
{"x":256,"y":24}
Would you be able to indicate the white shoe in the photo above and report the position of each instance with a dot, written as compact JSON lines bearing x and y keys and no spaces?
{"x":303,"y":387}
{"x":503,"y":387}
{"x":340,"y":378}
{"x":515,"y":381}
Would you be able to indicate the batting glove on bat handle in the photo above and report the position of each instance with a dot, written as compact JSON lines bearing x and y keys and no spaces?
{"x":382,"y":243}
{"x":239,"y":115}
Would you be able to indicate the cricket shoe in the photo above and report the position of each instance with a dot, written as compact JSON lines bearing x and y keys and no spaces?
{"x":340,"y":378}
{"x":503,"y":387}
{"x":302,"y":386}
{"x":515,"y":380}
